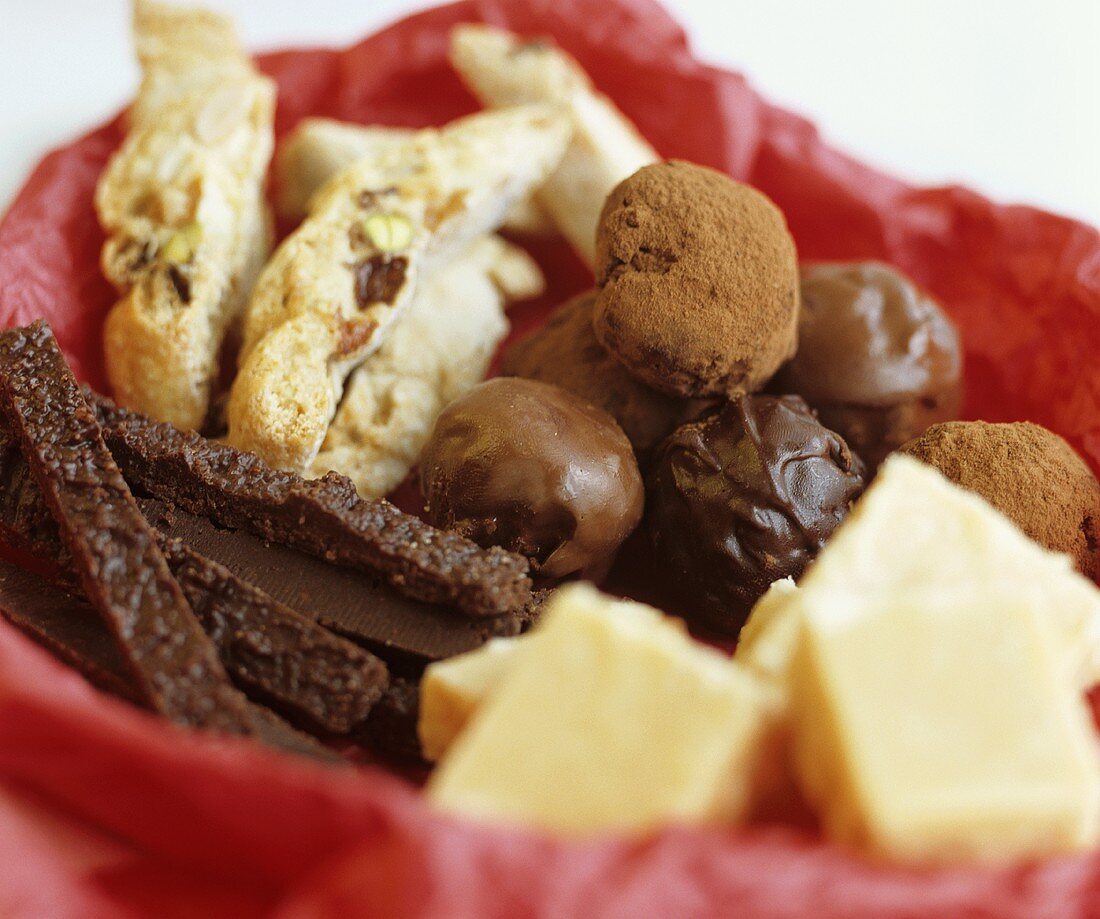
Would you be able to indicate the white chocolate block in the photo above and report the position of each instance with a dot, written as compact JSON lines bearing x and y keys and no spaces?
{"x":934,"y":715}
{"x":453,"y":689}
{"x":613,"y":719}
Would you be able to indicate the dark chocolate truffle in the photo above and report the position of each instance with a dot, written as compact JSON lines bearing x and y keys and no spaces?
{"x":1029,"y":474}
{"x":878,"y":359}
{"x":566,"y":352}
{"x":698,"y":280}
{"x":744,"y":498}
{"x":531,"y":467}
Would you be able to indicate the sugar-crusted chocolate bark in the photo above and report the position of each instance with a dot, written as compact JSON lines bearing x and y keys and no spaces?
{"x":275,"y":654}
{"x":324,"y":517}
{"x":113,"y":549}
{"x":408,"y":634}
{"x":71,"y":630}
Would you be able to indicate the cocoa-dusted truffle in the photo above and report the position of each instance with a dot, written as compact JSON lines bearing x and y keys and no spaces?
{"x":566,"y":352}
{"x":1029,"y":474}
{"x":744,"y":498}
{"x":878,"y":359}
{"x":529,"y":466}
{"x":698,"y":281}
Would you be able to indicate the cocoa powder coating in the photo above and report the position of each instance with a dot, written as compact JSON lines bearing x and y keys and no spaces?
{"x":698,"y":280}
{"x":1030,"y":474}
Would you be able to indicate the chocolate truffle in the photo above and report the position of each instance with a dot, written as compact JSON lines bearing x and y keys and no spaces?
{"x":745,"y":497}
{"x":1029,"y":474}
{"x":566,"y":352}
{"x":698,"y":280}
{"x":531,"y":467}
{"x":877,"y":358}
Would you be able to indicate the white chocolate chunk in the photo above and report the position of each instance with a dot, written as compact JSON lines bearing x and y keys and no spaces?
{"x":612,"y":719}
{"x":934,"y":716}
{"x":454,"y":689}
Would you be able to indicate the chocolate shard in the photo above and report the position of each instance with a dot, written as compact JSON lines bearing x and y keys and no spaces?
{"x":65,"y":625}
{"x":275,"y":654}
{"x":408,"y":634}
{"x":324,"y":517}
{"x":68,"y":627}
{"x":391,"y":730}
{"x":114,"y":553}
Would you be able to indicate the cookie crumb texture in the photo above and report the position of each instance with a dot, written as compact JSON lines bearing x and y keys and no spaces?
{"x":1030,"y":474}
{"x":699,"y":281}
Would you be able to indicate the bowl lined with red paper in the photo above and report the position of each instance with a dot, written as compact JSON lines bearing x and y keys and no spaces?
{"x":105,"y":809}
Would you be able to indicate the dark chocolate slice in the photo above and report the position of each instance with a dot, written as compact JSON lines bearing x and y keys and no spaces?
{"x":391,"y":730}
{"x":408,"y":634}
{"x":68,"y":627}
{"x":324,"y":517}
{"x":114,"y":553}
{"x":275,"y":654}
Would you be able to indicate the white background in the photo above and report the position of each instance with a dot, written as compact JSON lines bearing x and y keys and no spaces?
{"x":1003,"y":95}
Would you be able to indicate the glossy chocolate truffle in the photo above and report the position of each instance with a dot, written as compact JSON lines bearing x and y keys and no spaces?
{"x":566,"y":352}
{"x":878,"y":359}
{"x":745,"y":497}
{"x":1030,"y":474}
{"x":531,"y":467}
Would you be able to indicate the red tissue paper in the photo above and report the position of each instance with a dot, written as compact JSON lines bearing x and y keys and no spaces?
{"x":105,"y":811}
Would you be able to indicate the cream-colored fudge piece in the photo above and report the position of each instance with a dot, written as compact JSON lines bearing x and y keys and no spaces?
{"x":182,"y":206}
{"x":935,"y":719}
{"x":503,"y":70}
{"x":318,"y":148}
{"x":610,"y":718}
{"x":334,"y":288}
{"x":437,"y":351}
{"x":452,"y":690}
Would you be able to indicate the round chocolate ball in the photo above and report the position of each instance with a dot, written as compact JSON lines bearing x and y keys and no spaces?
{"x":878,"y":359}
{"x":535,"y":469}
{"x":698,"y":280}
{"x":566,"y":352}
{"x":744,"y":498}
{"x":1030,"y":474}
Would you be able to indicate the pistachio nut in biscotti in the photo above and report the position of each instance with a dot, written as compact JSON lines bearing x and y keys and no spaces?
{"x":438,"y":351}
{"x":182,"y":206}
{"x":698,"y":280}
{"x":329,"y":295}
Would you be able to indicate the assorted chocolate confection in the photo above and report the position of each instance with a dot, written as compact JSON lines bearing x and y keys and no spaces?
{"x":878,"y":359}
{"x":180,"y":608}
{"x":566,"y":353}
{"x":532,"y":467}
{"x":746,"y":497}
{"x":698,"y":279}
{"x":1030,"y":474}
{"x":325,"y":517}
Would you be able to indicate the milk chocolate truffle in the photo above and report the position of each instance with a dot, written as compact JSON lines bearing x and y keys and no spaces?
{"x":698,"y":280}
{"x":744,"y":498}
{"x":566,"y":352}
{"x":531,"y":467}
{"x":878,"y":359}
{"x":1029,"y":474}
